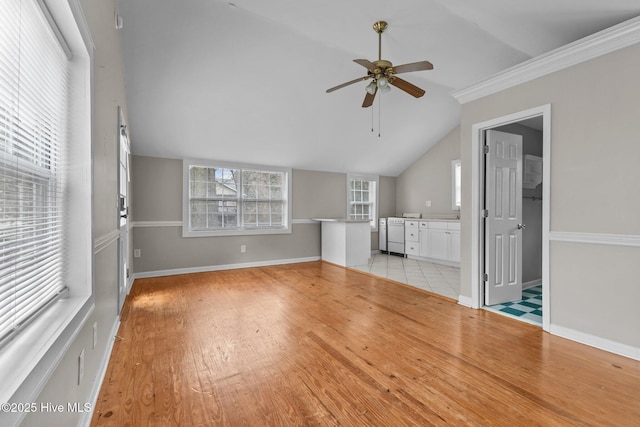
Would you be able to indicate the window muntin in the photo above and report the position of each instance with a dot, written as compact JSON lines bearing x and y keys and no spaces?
{"x":362,"y":195}
{"x":227,"y":199}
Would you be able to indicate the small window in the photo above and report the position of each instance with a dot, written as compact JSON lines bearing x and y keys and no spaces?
{"x":456,"y":185}
{"x":223,"y":199}
{"x":362,"y":198}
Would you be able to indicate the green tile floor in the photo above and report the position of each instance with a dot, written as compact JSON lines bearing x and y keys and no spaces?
{"x":529,"y":309}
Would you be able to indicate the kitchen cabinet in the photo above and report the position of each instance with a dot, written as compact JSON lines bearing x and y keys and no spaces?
{"x":411,"y":238}
{"x":345,"y":242}
{"x":439,"y":241}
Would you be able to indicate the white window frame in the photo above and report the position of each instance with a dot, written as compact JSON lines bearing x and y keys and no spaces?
{"x":373,"y":213}
{"x":241,"y":229}
{"x":456,"y":184}
{"x":30,"y":359}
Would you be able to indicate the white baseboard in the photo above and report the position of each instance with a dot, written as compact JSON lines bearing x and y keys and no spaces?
{"x":531,"y":284}
{"x":203,"y":269}
{"x":597,"y":342}
{"x":466,"y":301}
{"x":85,"y":419}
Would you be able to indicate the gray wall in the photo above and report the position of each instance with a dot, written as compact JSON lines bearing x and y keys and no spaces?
{"x":429,"y":178}
{"x":157,"y":191}
{"x":595,"y":149}
{"x":531,"y":209}
{"x":108,"y":94}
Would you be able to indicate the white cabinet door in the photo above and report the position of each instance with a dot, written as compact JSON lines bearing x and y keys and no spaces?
{"x":437,"y":244}
{"x":454,"y":246}
{"x":424,"y":242}
{"x":412,"y":248}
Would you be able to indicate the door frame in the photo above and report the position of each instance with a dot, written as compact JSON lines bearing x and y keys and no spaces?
{"x":123,"y":255}
{"x":477,"y":197}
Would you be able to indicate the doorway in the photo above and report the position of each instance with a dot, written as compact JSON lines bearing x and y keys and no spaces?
{"x":536,"y":199}
{"x":513,"y":223}
{"x":123,"y":210}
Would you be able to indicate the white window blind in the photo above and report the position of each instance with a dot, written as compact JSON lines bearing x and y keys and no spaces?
{"x":34,"y":99}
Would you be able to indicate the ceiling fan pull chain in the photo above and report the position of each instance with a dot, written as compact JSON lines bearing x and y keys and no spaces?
{"x":371,"y":119}
{"x":379,"y":109}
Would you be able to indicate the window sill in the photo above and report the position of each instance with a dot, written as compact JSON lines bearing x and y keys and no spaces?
{"x":30,"y":358}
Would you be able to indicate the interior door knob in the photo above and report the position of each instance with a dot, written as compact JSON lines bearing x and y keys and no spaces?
{"x":521,"y":226}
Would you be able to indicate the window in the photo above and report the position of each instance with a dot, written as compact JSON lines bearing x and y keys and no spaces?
{"x":456,"y":185}
{"x":33,"y":130}
{"x":362,"y":196}
{"x":46,"y":246}
{"x":223,"y":199}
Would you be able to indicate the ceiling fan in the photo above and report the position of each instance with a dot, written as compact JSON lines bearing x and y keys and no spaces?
{"x":383,"y":73}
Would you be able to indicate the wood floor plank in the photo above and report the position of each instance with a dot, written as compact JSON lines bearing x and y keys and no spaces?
{"x":316,"y":344}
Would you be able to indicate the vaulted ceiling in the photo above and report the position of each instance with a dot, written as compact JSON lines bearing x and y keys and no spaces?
{"x":245,"y":80}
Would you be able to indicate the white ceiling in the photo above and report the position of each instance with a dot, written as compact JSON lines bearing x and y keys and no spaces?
{"x":245,"y":80}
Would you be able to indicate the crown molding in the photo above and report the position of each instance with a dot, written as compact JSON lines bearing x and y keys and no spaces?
{"x":601,"y":43}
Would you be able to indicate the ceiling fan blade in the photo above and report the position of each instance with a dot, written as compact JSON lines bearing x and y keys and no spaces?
{"x":368,"y":99}
{"x":407,"y":87}
{"x":359,"y":79}
{"x":414,"y":66}
{"x":366,"y":64}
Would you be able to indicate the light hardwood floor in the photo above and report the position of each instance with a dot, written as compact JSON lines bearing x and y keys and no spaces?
{"x":317,"y":344}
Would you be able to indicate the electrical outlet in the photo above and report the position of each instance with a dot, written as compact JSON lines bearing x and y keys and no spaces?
{"x":136,"y":253}
{"x":80,"y":366}
{"x":95,"y":334}
{"x":428,"y":203}
{"x":243,"y":248}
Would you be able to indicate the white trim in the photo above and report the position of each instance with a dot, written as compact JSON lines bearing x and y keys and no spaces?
{"x":454,"y":193}
{"x":241,"y":229}
{"x":179,"y":223}
{"x":376,"y":202}
{"x":466,"y":301}
{"x":304,"y":221}
{"x":476,"y":202}
{"x":606,"y":41}
{"x":102,"y":242}
{"x":49,"y":344}
{"x":203,"y":269}
{"x":85,"y":418}
{"x":596,"y":238}
{"x":531,"y":283}
{"x":597,"y":342}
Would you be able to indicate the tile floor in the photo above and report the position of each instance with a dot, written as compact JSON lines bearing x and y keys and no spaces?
{"x":529,"y":309}
{"x":436,"y":278}
{"x":445,"y":280}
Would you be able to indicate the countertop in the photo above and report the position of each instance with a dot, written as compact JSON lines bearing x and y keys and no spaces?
{"x":432,"y":219}
{"x":339,"y":220}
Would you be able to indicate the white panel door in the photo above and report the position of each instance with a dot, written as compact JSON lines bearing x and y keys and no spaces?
{"x":503,"y":225}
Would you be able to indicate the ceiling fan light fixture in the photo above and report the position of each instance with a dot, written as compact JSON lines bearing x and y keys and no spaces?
{"x":382,"y":81}
{"x":385,"y":88}
{"x":371,"y":88}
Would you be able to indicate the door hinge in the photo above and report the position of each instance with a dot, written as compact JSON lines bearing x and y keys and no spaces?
{"x":127,"y":273}
{"x":485,"y":149}
{"x":485,"y":277}
{"x":484,"y":213}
